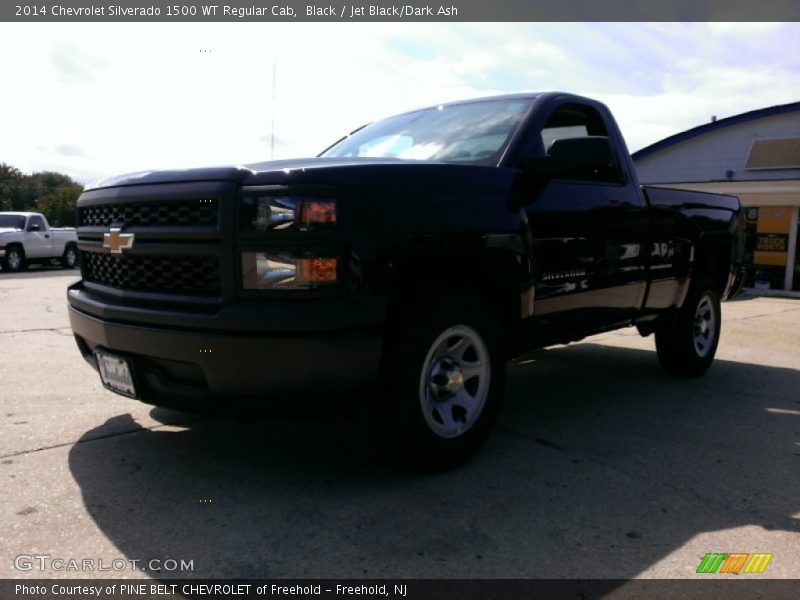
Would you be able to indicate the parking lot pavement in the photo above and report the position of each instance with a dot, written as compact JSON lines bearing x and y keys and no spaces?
{"x":601,"y":466}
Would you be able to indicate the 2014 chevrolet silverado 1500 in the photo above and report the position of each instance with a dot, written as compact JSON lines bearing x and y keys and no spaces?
{"x":412,"y":258}
{"x":26,"y":237}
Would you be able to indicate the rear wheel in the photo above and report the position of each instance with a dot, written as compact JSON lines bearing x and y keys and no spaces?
{"x":14,"y":259}
{"x":70,"y":258}
{"x":687,"y":344}
{"x":442,"y":384}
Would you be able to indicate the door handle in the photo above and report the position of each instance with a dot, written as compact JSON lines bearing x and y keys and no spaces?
{"x":47,"y":235}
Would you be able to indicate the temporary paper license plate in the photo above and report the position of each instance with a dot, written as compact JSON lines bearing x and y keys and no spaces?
{"x":115,"y":373}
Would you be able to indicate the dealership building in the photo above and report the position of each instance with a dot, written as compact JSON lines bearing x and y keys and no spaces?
{"x":755,"y":156}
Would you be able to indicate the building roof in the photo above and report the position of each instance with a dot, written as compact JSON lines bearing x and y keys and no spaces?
{"x":714,"y":126}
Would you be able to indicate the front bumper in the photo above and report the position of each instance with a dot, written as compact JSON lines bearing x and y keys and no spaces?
{"x":208,"y":370}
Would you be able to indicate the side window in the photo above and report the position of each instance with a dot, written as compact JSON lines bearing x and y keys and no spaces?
{"x":570,"y":121}
{"x":36,"y":221}
{"x":551,"y":134}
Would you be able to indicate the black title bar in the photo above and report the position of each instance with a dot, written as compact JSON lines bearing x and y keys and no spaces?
{"x":711,"y":587}
{"x":400,"y":11}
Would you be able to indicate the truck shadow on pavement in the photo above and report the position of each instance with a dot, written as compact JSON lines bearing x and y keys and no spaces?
{"x":600,"y":467}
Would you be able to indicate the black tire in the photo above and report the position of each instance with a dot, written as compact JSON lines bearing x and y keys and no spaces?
{"x":69,"y":260}
{"x":429,"y":425}
{"x":14,"y":259}
{"x":686,"y":344}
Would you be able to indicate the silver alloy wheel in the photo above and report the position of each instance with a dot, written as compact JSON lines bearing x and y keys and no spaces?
{"x":72,"y":257}
{"x":14,"y":259}
{"x":705,"y":326}
{"x":454,"y":382}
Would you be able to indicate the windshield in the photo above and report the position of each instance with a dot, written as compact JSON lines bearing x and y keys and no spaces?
{"x":13,"y":221}
{"x":477,"y":132}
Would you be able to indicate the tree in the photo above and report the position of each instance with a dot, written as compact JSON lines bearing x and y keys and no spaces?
{"x":11,"y":183}
{"x":49,"y":192}
{"x":59,"y":205}
{"x":39,"y":185}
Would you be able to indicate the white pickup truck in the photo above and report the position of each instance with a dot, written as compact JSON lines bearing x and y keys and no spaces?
{"x":26,"y":237}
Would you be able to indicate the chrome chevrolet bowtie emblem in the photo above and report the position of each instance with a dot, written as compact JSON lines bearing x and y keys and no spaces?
{"x":116,"y":241}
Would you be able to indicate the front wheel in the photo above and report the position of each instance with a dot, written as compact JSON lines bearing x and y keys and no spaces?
{"x":70,"y":258}
{"x":686,"y":345}
{"x":442,"y":383}
{"x":14,"y":260}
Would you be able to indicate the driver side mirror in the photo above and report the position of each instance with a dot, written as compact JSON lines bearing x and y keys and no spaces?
{"x":34,"y":227}
{"x":585,"y":158}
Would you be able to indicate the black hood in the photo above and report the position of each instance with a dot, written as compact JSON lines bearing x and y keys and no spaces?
{"x":276,"y":171}
{"x":365,"y":174}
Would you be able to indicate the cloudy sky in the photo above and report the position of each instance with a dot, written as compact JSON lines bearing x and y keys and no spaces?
{"x":93,"y":100}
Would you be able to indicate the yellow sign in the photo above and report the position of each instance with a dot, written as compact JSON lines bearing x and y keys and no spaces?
{"x":772,"y":228}
{"x":774,"y":219}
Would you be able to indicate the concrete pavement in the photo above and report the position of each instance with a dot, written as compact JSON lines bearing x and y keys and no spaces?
{"x":601,"y":466}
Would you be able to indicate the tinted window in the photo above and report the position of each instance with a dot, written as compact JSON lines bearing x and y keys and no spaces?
{"x":551,"y":134}
{"x":13,"y":221}
{"x":571,"y":121}
{"x":36,"y":221}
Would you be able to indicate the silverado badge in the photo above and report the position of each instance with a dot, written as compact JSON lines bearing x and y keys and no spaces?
{"x":117,"y":241}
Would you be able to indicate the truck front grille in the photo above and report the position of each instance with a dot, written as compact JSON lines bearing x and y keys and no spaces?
{"x":193,"y":275}
{"x":187,"y":213}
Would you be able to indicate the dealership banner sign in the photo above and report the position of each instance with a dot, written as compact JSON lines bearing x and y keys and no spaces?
{"x":772,"y":231}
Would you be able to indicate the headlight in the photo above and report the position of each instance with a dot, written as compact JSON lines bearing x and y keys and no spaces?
{"x":269,"y":271}
{"x":266,"y":213}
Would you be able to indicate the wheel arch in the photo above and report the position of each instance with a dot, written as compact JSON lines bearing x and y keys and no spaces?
{"x":16,"y":245}
{"x":713,"y":263}
{"x":496,"y":277}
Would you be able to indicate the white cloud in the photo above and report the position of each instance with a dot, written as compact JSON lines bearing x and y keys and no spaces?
{"x":742,"y":29}
{"x":73,"y":64}
{"x":133,"y":97}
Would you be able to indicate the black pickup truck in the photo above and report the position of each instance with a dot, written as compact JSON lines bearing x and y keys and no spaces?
{"x":406,"y":265}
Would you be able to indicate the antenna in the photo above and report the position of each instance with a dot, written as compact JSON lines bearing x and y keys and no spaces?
{"x":274,"y":94}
